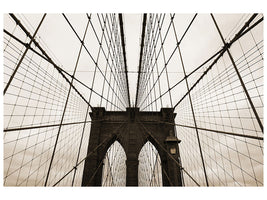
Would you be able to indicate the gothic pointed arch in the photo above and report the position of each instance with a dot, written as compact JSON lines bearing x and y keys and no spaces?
{"x":132,"y":129}
{"x":114,"y":166}
{"x":149,"y":168}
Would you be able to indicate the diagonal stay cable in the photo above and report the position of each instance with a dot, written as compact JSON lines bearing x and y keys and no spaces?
{"x":120,"y":69}
{"x":113,"y":57}
{"x":188,"y":75}
{"x":153,"y":171}
{"x":146,"y":76}
{"x":223,"y":50}
{"x":164,"y":171}
{"x":91,"y":152}
{"x":45,"y":56}
{"x":25,"y":52}
{"x":191,"y":105}
{"x":101,"y":162}
{"x":62,"y":70}
{"x":140,"y":57}
{"x":212,"y":130}
{"x":151,"y":43}
{"x":108,"y":57}
{"x":124,"y":57}
{"x":175,"y":49}
{"x":114,"y":50}
{"x":238,"y":74}
{"x":65,"y":107}
{"x":152,"y":39}
{"x":186,"y":28}
{"x":155,"y":39}
{"x":96,"y":64}
{"x":207,"y":60}
{"x":165,"y":150}
{"x":111,"y":37}
{"x":42,"y":126}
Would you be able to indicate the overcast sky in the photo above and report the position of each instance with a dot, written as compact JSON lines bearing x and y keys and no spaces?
{"x":201,"y":42}
{"x":229,"y":6}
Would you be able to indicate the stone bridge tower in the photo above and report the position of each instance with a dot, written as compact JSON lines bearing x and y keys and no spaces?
{"x":138,"y":128}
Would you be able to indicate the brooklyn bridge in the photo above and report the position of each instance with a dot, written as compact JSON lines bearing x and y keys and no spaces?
{"x":133,"y":100}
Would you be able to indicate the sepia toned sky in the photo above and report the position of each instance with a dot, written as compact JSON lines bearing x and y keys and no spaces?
{"x":56,"y":29}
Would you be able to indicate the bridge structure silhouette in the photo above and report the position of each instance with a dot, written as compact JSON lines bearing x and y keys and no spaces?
{"x":72,"y":116}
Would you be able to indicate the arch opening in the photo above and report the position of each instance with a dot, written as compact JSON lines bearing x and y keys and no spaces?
{"x":114,"y":166}
{"x":149,"y":168}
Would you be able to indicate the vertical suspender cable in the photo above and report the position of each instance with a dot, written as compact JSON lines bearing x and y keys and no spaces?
{"x":238,"y":74}
{"x":26,"y":50}
{"x":124,"y":57}
{"x":140,"y":58}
